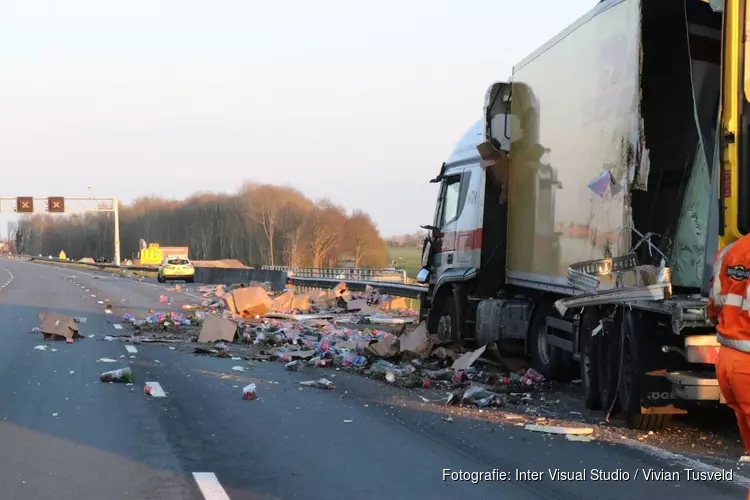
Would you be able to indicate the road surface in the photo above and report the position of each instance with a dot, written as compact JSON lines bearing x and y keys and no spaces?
{"x":68,"y":436}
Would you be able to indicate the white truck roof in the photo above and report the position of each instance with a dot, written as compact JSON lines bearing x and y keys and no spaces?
{"x":466,"y":149}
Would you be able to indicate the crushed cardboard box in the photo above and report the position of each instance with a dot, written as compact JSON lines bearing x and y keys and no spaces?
{"x":251,"y":300}
{"x":58,"y":325}
{"x":217,"y":329}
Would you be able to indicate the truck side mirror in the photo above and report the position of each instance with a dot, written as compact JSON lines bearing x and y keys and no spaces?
{"x":436,"y":233}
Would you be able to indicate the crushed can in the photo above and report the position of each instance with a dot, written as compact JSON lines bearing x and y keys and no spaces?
{"x":292,"y":366}
{"x":324,"y":383}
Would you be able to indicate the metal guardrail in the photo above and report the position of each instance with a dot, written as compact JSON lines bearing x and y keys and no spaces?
{"x":97,"y":265}
{"x":398,"y":289}
{"x":392,"y":275}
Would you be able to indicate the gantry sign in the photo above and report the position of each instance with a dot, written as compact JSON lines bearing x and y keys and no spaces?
{"x":56,"y":204}
{"x":25,"y":204}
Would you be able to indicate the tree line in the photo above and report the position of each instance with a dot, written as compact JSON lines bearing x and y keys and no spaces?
{"x":410,"y":240}
{"x":260,"y":225}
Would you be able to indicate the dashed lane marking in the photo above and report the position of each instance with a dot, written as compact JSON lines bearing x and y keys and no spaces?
{"x":156,"y":390}
{"x":131,"y":349}
{"x":210,"y":486}
{"x":10,"y":279}
{"x":117,"y":326}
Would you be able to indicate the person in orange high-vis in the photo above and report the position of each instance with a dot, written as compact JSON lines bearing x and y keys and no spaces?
{"x":729,"y":309}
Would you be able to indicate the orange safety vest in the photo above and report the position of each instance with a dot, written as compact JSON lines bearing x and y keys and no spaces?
{"x":729,"y":298}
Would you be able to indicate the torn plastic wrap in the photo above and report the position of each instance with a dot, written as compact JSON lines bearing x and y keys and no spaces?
{"x":690,"y":240}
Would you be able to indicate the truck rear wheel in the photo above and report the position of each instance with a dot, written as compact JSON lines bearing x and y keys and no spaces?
{"x":590,"y":360}
{"x":634,"y":365}
{"x":608,"y":366}
{"x":549,"y":360}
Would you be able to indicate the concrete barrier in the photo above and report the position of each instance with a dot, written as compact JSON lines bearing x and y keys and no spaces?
{"x":227,"y":276}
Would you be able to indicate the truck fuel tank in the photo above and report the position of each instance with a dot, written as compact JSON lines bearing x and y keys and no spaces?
{"x":501,"y":319}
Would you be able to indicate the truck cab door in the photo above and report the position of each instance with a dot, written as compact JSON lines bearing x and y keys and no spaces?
{"x":446,"y":219}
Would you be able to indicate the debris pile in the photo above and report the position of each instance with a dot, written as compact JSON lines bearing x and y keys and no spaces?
{"x":368,"y":333}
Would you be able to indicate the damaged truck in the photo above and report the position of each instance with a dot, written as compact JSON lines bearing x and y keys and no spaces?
{"x":580,"y":217}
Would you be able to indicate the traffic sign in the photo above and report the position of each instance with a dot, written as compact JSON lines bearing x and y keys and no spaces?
{"x":56,"y":204}
{"x":25,"y":204}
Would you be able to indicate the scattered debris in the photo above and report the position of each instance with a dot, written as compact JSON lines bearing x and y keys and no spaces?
{"x":549,"y":429}
{"x":248,"y":392}
{"x":154,"y":390}
{"x":322,"y":383}
{"x":58,"y":326}
{"x":124,"y":375}
{"x":579,"y":438}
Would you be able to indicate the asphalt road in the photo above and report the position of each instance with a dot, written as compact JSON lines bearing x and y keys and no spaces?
{"x":68,"y":436}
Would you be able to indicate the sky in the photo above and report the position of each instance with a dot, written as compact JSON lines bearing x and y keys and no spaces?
{"x":358,"y":102}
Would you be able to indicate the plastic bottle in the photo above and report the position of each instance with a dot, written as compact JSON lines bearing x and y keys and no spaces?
{"x":124,"y":375}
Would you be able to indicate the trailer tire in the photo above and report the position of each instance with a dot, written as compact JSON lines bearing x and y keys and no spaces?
{"x":550,"y":361}
{"x":590,"y":361}
{"x":635,"y":352}
{"x":608,"y":367}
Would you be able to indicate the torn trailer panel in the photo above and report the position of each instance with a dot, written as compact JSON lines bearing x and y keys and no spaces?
{"x":636,"y":88}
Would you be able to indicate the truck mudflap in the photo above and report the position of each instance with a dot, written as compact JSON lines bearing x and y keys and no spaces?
{"x":658,"y":395}
{"x":695,"y":386}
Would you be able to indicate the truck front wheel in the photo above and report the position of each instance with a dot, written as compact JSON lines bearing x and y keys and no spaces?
{"x":441,"y":319}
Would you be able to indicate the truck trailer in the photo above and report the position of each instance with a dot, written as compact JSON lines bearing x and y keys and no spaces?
{"x":579,"y":218}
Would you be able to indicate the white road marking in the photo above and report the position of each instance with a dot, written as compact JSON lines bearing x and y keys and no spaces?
{"x":156,"y":390}
{"x":681,"y":460}
{"x":117,"y":326}
{"x":10,"y":280}
{"x":131,"y":349}
{"x":210,"y":486}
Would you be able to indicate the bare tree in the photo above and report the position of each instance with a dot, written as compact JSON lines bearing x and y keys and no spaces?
{"x":261,"y":224}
